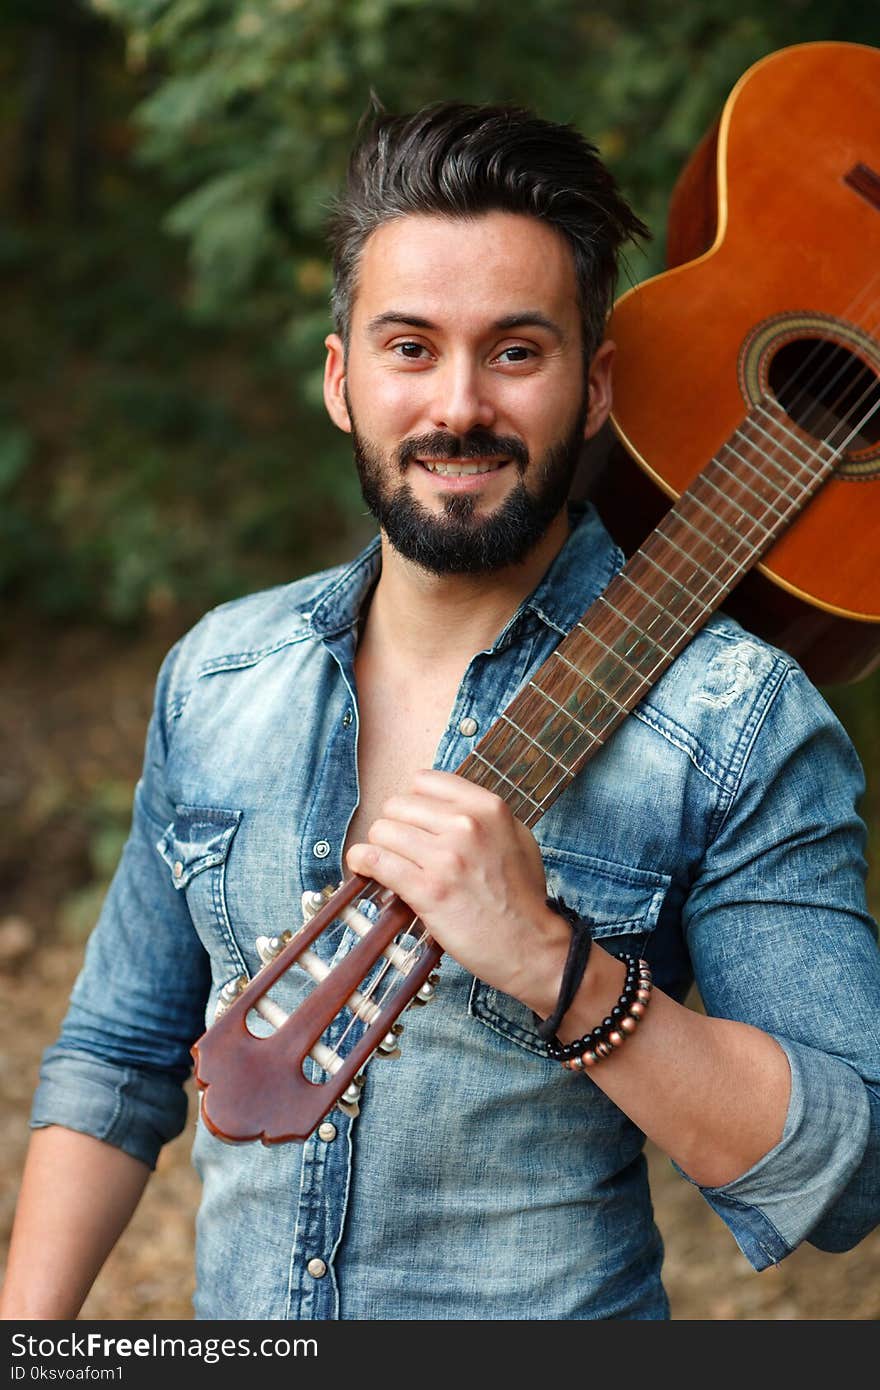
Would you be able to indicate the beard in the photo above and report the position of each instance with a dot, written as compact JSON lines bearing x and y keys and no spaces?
{"x":459,"y":540}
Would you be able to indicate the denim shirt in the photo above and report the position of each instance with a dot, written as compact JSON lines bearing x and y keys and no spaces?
{"x":715,"y":834}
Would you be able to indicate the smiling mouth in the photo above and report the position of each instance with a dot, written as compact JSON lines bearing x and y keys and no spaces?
{"x":450,"y":468}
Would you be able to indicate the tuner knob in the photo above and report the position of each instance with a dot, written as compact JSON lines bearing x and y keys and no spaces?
{"x":388,"y":1047}
{"x":427,"y":991}
{"x":268,"y":947}
{"x":349,"y":1101}
{"x":230,"y":991}
{"x":313,"y":902}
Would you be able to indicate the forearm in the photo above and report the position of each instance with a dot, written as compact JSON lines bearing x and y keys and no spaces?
{"x":77,"y":1196}
{"x":711,"y":1093}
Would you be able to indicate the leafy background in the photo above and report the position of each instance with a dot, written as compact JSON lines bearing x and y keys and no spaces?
{"x":163,"y":446}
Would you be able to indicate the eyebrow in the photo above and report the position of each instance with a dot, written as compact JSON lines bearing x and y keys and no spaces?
{"x":528,"y":318}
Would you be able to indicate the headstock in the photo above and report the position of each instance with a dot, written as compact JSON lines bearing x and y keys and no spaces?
{"x":279,"y":1086}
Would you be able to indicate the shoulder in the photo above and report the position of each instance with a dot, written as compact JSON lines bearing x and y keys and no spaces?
{"x":729,"y":693}
{"x":243,"y":632}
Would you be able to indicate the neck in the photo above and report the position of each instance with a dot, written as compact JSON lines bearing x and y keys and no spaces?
{"x":428,"y":621}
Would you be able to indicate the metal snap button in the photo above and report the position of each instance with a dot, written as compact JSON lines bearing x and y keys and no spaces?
{"x":327,"y":1132}
{"x":468,"y":726}
{"x":316,"y":1268}
{"x":321,"y":848}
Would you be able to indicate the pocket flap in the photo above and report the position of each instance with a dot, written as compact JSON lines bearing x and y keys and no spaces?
{"x":198,"y":838}
{"x":617,"y":899}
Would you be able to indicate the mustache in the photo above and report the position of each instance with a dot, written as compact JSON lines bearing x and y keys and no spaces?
{"x":476,"y":444}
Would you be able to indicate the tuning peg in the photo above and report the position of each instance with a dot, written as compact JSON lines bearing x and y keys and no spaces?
{"x":313,"y":902}
{"x":349,"y":1101}
{"x":230,"y":991}
{"x":268,"y":947}
{"x":427,"y":991}
{"x":389,"y":1046}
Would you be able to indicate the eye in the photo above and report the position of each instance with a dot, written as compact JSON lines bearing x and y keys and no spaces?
{"x":410,"y":351}
{"x":516,"y":353}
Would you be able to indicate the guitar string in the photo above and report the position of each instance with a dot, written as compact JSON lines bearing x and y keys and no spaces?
{"x":846,"y":359}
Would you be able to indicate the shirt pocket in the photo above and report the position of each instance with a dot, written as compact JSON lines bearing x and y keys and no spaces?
{"x":195,"y":847}
{"x":621,"y":902}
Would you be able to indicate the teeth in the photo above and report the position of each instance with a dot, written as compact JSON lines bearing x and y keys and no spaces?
{"x":456,"y":470}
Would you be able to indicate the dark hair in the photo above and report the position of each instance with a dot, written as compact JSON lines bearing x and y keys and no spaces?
{"x":460,"y":161}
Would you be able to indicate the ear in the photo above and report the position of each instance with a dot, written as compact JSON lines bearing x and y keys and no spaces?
{"x":334,"y":382}
{"x":600,"y":395}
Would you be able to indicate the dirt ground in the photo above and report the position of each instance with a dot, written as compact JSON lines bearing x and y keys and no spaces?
{"x":73,"y":709}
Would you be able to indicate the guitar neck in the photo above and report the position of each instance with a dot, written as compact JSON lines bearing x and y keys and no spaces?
{"x":729,"y":516}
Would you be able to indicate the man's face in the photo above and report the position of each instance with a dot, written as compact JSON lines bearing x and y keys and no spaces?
{"x":464,"y":387}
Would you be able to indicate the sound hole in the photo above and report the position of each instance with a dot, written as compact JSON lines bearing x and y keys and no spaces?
{"x":829,"y":391}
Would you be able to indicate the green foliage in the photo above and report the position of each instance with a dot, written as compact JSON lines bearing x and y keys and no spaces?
{"x":162,"y":434}
{"x":257,"y":103}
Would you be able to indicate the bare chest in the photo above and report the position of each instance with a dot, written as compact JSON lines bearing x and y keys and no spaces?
{"x":396,"y":737}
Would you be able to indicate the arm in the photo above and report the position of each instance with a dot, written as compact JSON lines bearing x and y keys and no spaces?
{"x":77,"y":1196}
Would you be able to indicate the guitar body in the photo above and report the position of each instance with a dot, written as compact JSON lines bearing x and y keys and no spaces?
{"x":779,"y":211}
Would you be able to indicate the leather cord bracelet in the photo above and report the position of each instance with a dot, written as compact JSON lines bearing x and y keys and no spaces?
{"x":575,"y":965}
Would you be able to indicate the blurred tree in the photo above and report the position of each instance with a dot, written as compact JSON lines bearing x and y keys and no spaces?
{"x":148,"y":402}
{"x":255,"y":105}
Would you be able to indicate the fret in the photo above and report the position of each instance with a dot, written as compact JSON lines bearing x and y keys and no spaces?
{"x":682,"y":592}
{"x":680,"y":516}
{"x":474,"y":753}
{"x":546,"y":752}
{"x":775,"y":443}
{"x":648,"y":598}
{"x":827,"y":463}
{"x":743,"y":458}
{"x":780,"y":472}
{"x":574,"y":719}
{"x":710,"y":574}
{"x":652,"y":643}
{"x":584,"y":677}
{"x":705,"y":477}
{"x":690,"y":495}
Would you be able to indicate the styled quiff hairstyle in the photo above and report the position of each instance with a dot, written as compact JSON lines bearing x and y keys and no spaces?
{"x":460,"y":161}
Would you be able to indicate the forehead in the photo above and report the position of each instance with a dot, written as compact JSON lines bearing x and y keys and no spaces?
{"x":466,"y":268}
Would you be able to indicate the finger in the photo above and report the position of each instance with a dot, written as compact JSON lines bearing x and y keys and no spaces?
{"x":409,"y":841}
{"x":426,"y":812}
{"x":392,"y":870}
{"x":451,"y":787}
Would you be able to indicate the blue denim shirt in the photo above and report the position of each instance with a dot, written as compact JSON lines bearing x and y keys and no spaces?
{"x":715,"y":834}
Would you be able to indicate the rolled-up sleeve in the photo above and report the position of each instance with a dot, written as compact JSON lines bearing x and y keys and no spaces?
{"x":780,"y":937}
{"x":118,"y":1068}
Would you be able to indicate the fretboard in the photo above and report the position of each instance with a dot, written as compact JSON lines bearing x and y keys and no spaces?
{"x":725,"y":521}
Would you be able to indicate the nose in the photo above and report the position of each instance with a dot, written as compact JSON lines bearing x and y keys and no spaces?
{"x":462,"y":399}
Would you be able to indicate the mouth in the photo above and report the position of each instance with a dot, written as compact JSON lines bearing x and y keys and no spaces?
{"x":453,"y":468}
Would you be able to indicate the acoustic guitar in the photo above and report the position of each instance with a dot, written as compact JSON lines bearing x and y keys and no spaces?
{"x":748,"y":392}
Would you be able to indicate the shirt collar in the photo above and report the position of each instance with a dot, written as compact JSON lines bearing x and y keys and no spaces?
{"x":579,"y":572}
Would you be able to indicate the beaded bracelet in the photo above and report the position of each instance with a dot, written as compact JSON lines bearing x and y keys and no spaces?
{"x":613,"y":1031}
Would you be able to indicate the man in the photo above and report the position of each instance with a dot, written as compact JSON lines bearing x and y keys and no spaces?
{"x":313,"y":730}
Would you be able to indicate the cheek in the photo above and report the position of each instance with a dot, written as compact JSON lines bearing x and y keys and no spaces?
{"x":382,"y":402}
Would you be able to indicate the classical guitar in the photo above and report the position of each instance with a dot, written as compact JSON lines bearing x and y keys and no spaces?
{"x":758,"y":352}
